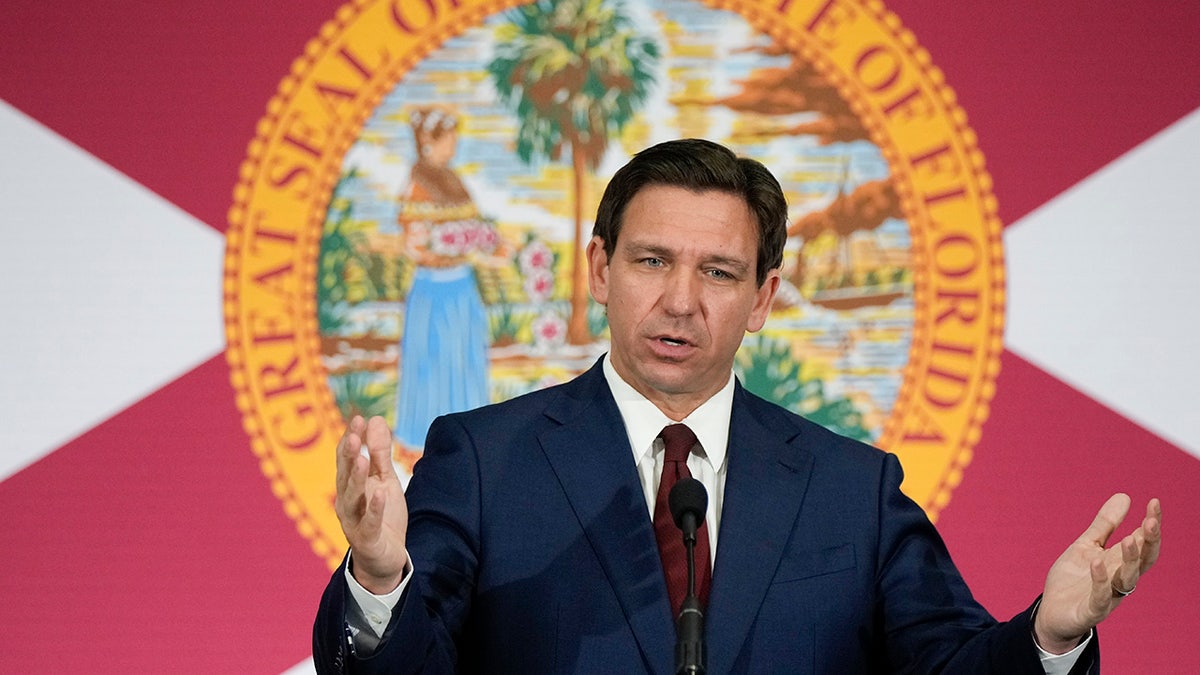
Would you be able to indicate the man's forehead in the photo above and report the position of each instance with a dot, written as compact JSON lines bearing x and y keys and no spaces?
{"x":669,"y":204}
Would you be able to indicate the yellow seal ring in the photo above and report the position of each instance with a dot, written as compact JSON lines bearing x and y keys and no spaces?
{"x":877,"y":68}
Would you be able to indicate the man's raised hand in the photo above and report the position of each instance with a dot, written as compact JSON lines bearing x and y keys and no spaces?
{"x":1088,"y":581}
{"x":370,"y":505}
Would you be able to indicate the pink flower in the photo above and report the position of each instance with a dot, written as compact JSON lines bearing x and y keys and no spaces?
{"x":448,"y":239}
{"x":460,"y":237}
{"x":539,"y":285}
{"x":487,"y":238}
{"x":535,"y":256}
{"x":549,"y":330}
{"x":471,"y":236}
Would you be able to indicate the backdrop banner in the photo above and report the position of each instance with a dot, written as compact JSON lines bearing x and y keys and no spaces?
{"x":229,"y":227}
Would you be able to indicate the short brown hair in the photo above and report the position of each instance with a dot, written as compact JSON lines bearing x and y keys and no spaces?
{"x":699,"y":165}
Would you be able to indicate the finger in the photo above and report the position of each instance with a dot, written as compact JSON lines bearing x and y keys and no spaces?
{"x":379,"y":446}
{"x":1101,"y":596}
{"x":1125,"y":577}
{"x":372,"y":519}
{"x":1152,"y":527}
{"x":348,"y":449}
{"x":352,"y":473}
{"x":1107,"y":520}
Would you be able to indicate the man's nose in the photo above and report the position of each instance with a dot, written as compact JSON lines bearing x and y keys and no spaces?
{"x":681,"y":296}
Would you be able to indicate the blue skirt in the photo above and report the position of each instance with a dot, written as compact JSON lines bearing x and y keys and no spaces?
{"x":443,"y":351}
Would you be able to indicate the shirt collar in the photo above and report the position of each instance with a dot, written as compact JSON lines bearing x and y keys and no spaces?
{"x":644,"y":421}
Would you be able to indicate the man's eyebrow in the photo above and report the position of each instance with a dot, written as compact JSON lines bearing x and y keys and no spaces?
{"x":639,"y":248}
{"x":736,"y":263}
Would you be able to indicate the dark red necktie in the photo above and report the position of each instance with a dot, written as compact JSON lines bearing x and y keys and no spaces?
{"x":679,"y":440}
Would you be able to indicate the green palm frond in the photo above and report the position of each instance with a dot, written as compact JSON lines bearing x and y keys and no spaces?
{"x":574,"y":72}
{"x":767,"y":368}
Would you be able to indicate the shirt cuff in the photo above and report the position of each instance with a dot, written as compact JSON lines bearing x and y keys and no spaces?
{"x":377,"y":608}
{"x":1061,"y":664}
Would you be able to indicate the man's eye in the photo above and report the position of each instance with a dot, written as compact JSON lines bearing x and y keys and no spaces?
{"x":719,"y":274}
{"x":653,"y":262}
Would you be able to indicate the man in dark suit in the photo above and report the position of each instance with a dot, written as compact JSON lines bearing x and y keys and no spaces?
{"x":531,"y":538}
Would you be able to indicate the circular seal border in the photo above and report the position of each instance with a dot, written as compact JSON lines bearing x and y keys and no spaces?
{"x":276,"y":355}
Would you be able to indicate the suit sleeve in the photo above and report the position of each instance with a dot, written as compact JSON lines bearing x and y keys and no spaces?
{"x":931,"y":621}
{"x":443,"y":541}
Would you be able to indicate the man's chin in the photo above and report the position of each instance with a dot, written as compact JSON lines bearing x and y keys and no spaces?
{"x":675,"y":380}
{"x":666,"y":377}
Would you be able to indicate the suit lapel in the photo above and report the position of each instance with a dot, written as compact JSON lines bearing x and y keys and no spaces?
{"x":589,"y":452}
{"x":764,"y":489}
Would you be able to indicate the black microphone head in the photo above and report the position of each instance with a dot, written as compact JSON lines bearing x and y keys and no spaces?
{"x":688,"y":496}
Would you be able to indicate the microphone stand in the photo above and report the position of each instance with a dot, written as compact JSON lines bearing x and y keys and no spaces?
{"x":689,"y":626}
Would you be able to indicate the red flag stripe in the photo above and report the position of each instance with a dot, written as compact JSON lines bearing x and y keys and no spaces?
{"x":1048,"y":459}
{"x":153,"y":543}
{"x":1055,"y":90}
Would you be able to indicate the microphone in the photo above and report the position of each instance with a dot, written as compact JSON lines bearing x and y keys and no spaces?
{"x":689,"y":501}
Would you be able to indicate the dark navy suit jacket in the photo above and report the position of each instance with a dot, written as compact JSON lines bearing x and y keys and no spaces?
{"x":534,"y":552}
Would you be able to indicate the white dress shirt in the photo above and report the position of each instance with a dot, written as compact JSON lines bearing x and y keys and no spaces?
{"x":710,"y":422}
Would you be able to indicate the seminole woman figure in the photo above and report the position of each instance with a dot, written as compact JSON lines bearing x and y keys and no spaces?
{"x":443,"y":349}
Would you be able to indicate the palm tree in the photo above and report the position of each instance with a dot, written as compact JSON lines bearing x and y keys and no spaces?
{"x":574,"y":72}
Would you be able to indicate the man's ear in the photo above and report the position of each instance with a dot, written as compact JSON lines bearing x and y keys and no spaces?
{"x":763,"y":299}
{"x":597,"y":270}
